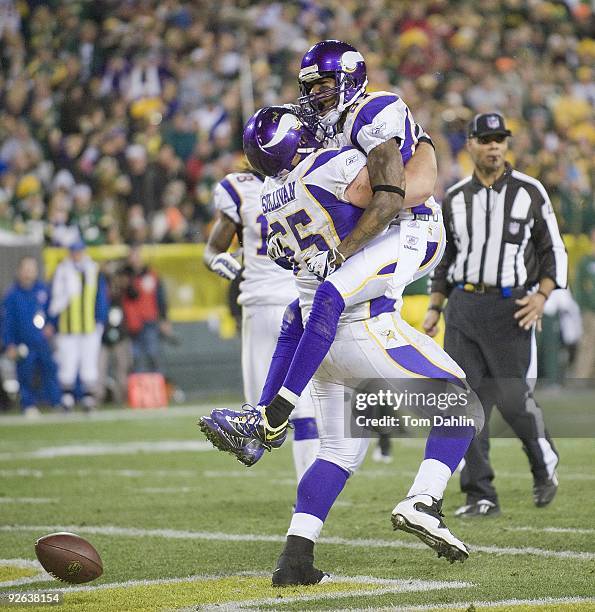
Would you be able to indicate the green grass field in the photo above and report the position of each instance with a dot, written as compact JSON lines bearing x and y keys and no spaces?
{"x":181,"y":526}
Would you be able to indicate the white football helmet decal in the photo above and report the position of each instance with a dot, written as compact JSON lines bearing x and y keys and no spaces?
{"x":288,"y":122}
{"x":349,"y":60}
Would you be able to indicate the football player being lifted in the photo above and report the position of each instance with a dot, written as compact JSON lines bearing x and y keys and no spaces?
{"x":315,"y":200}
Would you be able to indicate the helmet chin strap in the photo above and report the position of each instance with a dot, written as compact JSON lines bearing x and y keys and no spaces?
{"x":334,"y":115}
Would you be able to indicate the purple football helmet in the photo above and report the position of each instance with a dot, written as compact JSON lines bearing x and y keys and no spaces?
{"x":273,"y":137}
{"x":331,"y":58}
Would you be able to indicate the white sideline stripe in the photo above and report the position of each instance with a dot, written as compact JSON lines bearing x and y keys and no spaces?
{"x":550,"y":529}
{"x":392,"y":586}
{"x":112,"y":414}
{"x":27,"y":500}
{"x":35,"y":473}
{"x":465,"y":605}
{"x":127,"y":473}
{"x":174,"y":534}
{"x":41,"y":575}
{"x":107,"y":448}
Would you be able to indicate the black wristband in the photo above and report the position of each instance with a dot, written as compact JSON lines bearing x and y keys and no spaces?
{"x":389,"y":188}
{"x":545,"y":295}
{"x":278,"y":411}
{"x":428,"y":140}
{"x":435,"y":307}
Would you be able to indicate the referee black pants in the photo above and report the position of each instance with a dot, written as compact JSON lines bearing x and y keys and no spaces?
{"x":498,"y":358}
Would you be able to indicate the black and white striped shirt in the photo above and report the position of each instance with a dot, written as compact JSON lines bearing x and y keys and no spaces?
{"x":505,"y":235}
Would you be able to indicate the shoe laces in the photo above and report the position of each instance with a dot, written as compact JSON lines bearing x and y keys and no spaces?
{"x":252,"y":417}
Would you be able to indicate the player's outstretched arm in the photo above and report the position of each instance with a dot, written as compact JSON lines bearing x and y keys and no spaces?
{"x":387,"y":179}
{"x":216,"y":256}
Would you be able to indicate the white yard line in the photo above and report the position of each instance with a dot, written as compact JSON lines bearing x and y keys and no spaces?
{"x":111,"y":448}
{"x":386,"y":586}
{"x":561,"y":473}
{"x":386,"y":472}
{"x":576,"y":530}
{"x":130,"y":473}
{"x":21,"y":563}
{"x":393,"y":587}
{"x":235,"y":473}
{"x":28,"y":500}
{"x":465,"y":605}
{"x":125,"y":473}
{"x":112,"y":414}
{"x":173,"y":534}
{"x":403,"y":585}
{"x":161,"y":490}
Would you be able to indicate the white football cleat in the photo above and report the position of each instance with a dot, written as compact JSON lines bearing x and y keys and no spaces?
{"x":421,"y":515}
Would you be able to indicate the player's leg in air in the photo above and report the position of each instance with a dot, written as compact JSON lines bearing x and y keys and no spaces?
{"x":352,"y":287}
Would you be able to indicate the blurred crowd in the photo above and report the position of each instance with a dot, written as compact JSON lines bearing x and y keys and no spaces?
{"x":117,"y":117}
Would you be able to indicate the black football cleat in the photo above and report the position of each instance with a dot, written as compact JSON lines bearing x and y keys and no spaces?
{"x":544,"y":492}
{"x":479,"y":509}
{"x":296,"y":571}
{"x":421,"y":515}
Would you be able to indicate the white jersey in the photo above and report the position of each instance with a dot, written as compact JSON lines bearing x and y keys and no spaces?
{"x":376,"y":118}
{"x":263,"y":282}
{"x":308,"y":207}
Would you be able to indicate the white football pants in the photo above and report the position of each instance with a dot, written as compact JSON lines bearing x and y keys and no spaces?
{"x":360,"y":351}
{"x":78,"y":354}
{"x":382,"y":267}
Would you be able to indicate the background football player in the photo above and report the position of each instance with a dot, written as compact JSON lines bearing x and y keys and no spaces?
{"x":265,"y":291}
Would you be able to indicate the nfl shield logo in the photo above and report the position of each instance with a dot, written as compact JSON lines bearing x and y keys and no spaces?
{"x":493,"y":122}
{"x":514,"y":227}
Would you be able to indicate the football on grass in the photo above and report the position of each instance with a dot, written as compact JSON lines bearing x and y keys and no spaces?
{"x":68,"y":557}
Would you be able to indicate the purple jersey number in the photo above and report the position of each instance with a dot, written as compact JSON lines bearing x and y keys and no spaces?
{"x":301,"y":217}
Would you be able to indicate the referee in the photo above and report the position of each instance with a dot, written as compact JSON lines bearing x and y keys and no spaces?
{"x":504,"y":256}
